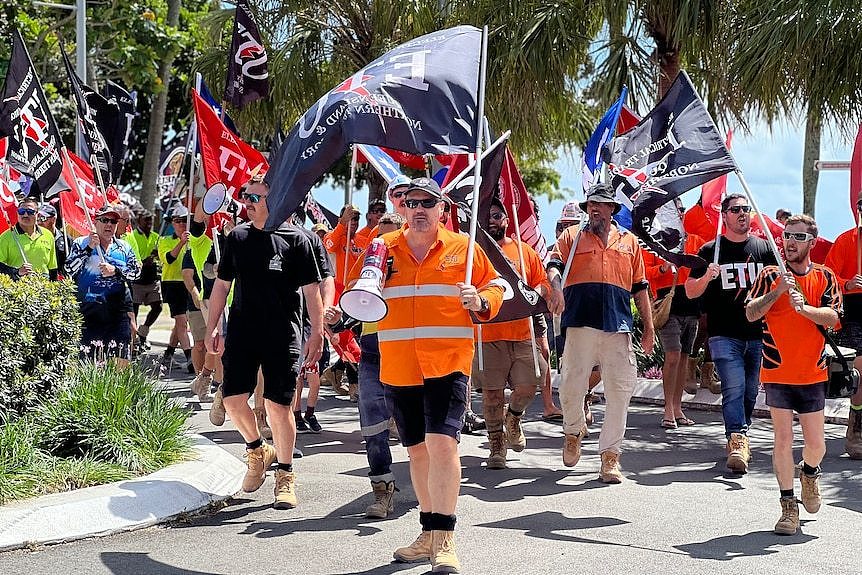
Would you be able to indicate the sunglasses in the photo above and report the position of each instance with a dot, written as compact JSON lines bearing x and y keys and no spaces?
{"x":252,"y":198}
{"x":179,"y":220}
{"x":426,"y":203}
{"x":378,"y":211}
{"x":497,"y":216}
{"x":798,"y":236}
{"x":398,"y":194}
{"x":107,"y":220}
{"x":26,"y":211}
{"x":737,"y":209}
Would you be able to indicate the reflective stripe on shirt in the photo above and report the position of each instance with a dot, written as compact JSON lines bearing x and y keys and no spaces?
{"x":428,"y":332}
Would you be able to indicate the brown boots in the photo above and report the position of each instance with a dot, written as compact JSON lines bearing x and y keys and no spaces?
{"x":384,"y":497}
{"x":853,"y":440}
{"x":497,"y":445}
{"x":738,"y":453}
{"x":788,"y":523}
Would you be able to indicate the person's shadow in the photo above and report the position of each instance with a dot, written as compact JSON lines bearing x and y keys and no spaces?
{"x":751,"y":544}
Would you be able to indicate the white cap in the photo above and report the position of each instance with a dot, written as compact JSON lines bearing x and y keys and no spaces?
{"x":571,"y":213}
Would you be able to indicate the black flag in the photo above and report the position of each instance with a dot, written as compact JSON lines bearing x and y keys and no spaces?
{"x":247,"y":75}
{"x":35,"y":143}
{"x":94,"y":111}
{"x":672,"y":149}
{"x":419,"y":98}
{"x":120,"y":137}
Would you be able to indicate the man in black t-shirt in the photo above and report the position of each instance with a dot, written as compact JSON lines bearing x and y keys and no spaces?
{"x":267,"y":268}
{"x":734,"y":342}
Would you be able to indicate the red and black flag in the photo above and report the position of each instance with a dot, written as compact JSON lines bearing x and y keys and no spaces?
{"x":35,"y":143}
{"x":247,"y":74}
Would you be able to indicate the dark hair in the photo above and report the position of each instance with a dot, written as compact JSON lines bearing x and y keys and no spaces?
{"x":497,"y":203}
{"x":803,"y":219}
{"x":782,"y":213}
{"x":725,"y":203}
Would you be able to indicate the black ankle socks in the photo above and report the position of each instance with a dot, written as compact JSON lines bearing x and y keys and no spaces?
{"x":808,"y":470}
{"x":309,"y":411}
{"x":285,"y":466}
{"x":254,"y":444}
{"x":425,"y":520}
{"x":787,"y":492}
{"x":516,"y":413}
{"x":440,"y":522}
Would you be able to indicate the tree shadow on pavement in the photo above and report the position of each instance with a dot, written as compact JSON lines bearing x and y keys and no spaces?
{"x":386,"y":569}
{"x":122,"y":563}
{"x":756,"y":543}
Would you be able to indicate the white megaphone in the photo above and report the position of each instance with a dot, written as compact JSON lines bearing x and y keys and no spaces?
{"x":364,"y":301}
{"x":216,"y":199}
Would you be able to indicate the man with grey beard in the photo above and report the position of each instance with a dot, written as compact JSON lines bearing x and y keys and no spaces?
{"x":604,"y":273}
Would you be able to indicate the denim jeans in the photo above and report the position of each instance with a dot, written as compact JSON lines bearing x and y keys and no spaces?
{"x":373,"y":413}
{"x":738,"y":365}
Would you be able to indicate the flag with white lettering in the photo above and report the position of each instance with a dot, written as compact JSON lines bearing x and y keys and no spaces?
{"x":247,"y":74}
{"x":121,"y":137}
{"x":224,"y":157}
{"x":319,"y":214}
{"x":419,"y":98}
{"x":71,"y":205}
{"x":673,"y":149}
{"x":26,"y":118}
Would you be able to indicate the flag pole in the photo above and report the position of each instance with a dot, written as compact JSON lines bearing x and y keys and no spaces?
{"x":350,"y":186}
{"x":6,"y":216}
{"x":463,"y":173}
{"x":477,"y":170}
{"x":718,"y":228}
{"x":524,"y":278}
{"x":781,"y":267}
{"x":191,"y":192}
{"x":81,"y":199}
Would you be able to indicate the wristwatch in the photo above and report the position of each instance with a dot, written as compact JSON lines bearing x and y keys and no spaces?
{"x":485,"y":305}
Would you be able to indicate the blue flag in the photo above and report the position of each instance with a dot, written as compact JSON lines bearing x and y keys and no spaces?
{"x":382,"y":162}
{"x":592,"y":159}
{"x":420,"y":98}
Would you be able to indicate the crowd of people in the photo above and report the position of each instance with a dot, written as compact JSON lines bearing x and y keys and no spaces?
{"x":255,"y":313}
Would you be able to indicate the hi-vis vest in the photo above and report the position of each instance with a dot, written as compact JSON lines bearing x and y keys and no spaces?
{"x":427,"y":332}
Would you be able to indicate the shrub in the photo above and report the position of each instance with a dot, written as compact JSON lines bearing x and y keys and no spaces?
{"x":115,"y":415}
{"x":39,"y":337}
{"x":19,"y":460}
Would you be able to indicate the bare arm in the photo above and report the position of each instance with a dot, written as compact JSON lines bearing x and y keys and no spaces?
{"x":189,"y":282}
{"x":314,"y":304}
{"x":820,"y":315}
{"x":644,"y":306}
{"x":694,"y":287}
{"x":759,"y":306}
{"x":218,"y":299}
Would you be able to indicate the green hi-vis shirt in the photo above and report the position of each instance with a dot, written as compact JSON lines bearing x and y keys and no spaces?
{"x":142,"y":245}
{"x":38,"y":248}
{"x":173,"y":272}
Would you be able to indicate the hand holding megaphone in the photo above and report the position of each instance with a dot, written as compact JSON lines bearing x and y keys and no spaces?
{"x":216,"y":199}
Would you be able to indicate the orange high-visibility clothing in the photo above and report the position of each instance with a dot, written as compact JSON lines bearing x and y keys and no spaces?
{"x":842,"y":259}
{"x":652,"y":263}
{"x":335,"y":243}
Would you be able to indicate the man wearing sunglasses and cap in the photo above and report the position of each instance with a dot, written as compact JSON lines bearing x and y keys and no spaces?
{"x":36,"y":242}
{"x":607,"y":271}
{"x":734,"y":343}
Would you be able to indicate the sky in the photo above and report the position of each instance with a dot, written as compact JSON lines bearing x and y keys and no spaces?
{"x":770,"y":162}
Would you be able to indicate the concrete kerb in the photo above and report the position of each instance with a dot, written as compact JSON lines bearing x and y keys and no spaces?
{"x":187,"y":487}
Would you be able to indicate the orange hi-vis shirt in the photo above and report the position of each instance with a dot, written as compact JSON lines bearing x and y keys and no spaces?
{"x":519,"y":329}
{"x":841,"y":259}
{"x":364,"y":236}
{"x":335,"y":243}
{"x":427,"y":333}
{"x":652,"y":263}
{"x":792,"y":344}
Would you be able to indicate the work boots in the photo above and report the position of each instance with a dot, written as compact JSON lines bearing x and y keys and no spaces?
{"x":690,"y":385}
{"x":497,"y":445}
{"x":788,"y":524}
{"x":201,"y":385}
{"x":610,"y":470}
{"x":262,"y":426}
{"x":853,"y":441}
{"x":259,"y":460}
{"x":811,"y":498}
{"x":285,"y":489}
{"x":217,"y":411}
{"x":514,"y":434}
{"x":708,"y":379}
{"x":572,"y":449}
{"x":384,"y":497}
{"x":419,"y":550}
{"x":443,"y":558}
{"x":738,"y":453}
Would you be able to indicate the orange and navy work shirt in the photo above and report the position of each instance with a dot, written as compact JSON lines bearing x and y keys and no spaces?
{"x":427,"y":333}
{"x":602,"y":280}
{"x":659,"y":280}
{"x":792,"y":344}
{"x":519,"y":329}
{"x":335,"y":243}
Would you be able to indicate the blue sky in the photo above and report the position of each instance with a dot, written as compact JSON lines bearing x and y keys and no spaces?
{"x":771,"y":163}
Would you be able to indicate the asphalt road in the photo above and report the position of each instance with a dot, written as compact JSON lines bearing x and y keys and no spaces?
{"x":679,"y":511}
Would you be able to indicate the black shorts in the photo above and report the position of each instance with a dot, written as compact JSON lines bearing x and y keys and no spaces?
{"x":800,"y":398}
{"x":850,"y":335}
{"x":437,"y":406}
{"x":100,"y":340}
{"x":246,"y":351}
{"x":176,"y":296}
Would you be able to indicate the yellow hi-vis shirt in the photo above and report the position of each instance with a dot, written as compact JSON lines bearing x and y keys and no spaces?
{"x":38,"y":248}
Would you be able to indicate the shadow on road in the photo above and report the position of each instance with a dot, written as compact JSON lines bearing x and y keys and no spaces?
{"x":124,"y":563}
{"x":756,"y":543}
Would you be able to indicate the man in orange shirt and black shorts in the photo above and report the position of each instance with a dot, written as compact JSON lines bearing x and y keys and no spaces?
{"x":426,"y":350}
{"x":793,"y":372}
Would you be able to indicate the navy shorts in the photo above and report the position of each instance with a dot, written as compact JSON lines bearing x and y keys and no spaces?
{"x":799,"y":398}
{"x":247,"y":351}
{"x":175,"y":294}
{"x":437,"y":406}
{"x":103,"y":340}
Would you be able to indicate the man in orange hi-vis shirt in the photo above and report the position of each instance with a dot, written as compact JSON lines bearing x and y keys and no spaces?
{"x":335,"y":243}
{"x":794,"y":306}
{"x":426,"y":350}
{"x":844,"y":260}
{"x":507,"y":350}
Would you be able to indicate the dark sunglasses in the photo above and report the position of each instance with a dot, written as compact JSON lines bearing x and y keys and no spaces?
{"x":798,"y":236}
{"x":737,"y":209}
{"x":398,"y":194}
{"x":252,"y":198}
{"x":179,"y":220}
{"x":107,"y":220}
{"x":26,"y":211}
{"x":378,"y":211}
{"x":497,"y":216}
{"x":426,"y":203}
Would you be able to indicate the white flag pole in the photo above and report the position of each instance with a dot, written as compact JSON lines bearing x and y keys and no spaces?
{"x":463,"y":173}
{"x":477,"y":171}
{"x":68,"y":161}
{"x":194,"y":149}
{"x":524,"y":278}
{"x":718,"y":229}
{"x":351,"y":185}
{"x":6,"y":216}
{"x":781,"y":267}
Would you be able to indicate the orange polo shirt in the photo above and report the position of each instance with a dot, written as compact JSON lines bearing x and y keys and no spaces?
{"x":519,"y":329}
{"x":652,"y":263}
{"x":842,"y":259}
{"x":426,"y":332}
{"x":335,"y":243}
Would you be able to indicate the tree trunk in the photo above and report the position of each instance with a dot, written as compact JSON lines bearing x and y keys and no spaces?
{"x":810,"y":176}
{"x":668,"y":70}
{"x":156,"y":130}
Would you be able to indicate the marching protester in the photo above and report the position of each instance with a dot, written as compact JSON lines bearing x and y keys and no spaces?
{"x":267,"y":269}
{"x":102,"y":265}
{"x":171,"y":251}
{"x":426,"y":350}
{"x":794,"y":306}
{"x":678,"y":333}
{"x":47,"y":218}
{"x":376,"y":209}
{"x":507,"y":352}
{"x":36,"y":243}
{"x":844,"y":260}
{"x":146,"y":288}
{"x":734,"y":342}
{"x":607,"y":271}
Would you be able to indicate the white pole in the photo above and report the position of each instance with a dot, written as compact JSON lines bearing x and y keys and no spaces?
{"x":350,"y":187}
{"x":81,"y":60}
{"x":479,"y":354}
{"x":194,"y":148}
{"x":457,"y":179}
{"x":718,"y":233}
{"x":477,"y":171}
{"x":571,"y":257}
{"x":524,"y":278}
{"x":782,"y":268}
{"x":81,"y":199}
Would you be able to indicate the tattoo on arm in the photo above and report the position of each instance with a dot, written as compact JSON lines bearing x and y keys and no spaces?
{"x":758,"y":307}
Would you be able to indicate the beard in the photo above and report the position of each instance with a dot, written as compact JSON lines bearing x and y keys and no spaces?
{"x":497,"y":233}
{"x":599,"y":226}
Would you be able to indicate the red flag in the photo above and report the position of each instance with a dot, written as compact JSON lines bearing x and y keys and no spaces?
{"x":513,"y":191}
{"x":72,"y":209}
{"x":627,"y":120}
{"x":713,"y":191}
{"x":225,"y":158}
{"x":856,"y":172}
{"x":7,"y":196}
